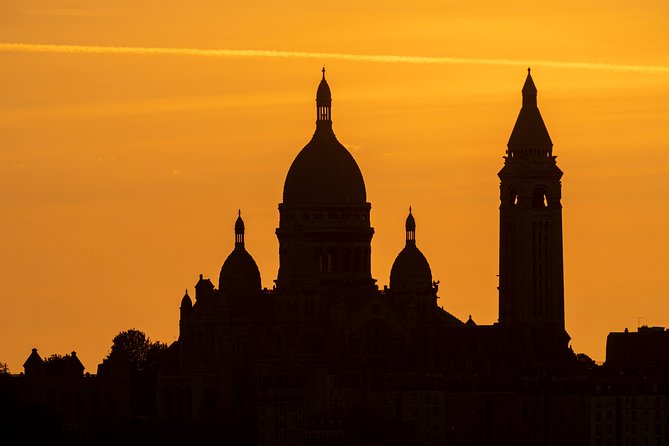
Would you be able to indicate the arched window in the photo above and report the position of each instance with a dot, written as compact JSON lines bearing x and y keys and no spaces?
{"x":513,"y":197}
{"x":319,"y":258}
{"x":332,"y":260}
{"x":539,"y":198}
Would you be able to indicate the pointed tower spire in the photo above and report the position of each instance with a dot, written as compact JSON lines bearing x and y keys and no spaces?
{"x":529,"y":137}
{"x":410,"y":226}
{"x":529,"y":91}
{"x":323,"y":102}
{"x":239,"y":230}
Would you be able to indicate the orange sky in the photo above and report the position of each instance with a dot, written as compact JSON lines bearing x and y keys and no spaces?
{"x":121,"y":175}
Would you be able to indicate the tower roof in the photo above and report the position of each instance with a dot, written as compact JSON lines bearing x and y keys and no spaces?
{"x":33,"y":360}
{"x":529,"y":135}
{"x":324,"y":172}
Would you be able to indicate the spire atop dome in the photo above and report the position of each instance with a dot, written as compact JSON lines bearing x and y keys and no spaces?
{"x":410,"y":226}
{"x":239,"y":229}
{"x":323,"y":102}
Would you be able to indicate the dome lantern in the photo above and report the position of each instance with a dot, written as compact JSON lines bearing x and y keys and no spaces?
{"x":323,"y":102}
{"x":411,"y":228}
{"x":239,"y":229}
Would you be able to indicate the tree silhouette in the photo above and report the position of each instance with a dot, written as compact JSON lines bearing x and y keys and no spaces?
{"x":4,"y":369}
{"x":136,"y":349}
{"x":62,"y":364}
{"x":130,"y":346}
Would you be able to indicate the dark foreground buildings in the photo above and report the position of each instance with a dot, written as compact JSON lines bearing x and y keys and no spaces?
{"x":326,"y":357}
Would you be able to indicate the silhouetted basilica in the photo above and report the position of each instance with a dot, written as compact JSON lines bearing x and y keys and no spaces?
{"x":322,"y":356}
{"x":326,"y":357}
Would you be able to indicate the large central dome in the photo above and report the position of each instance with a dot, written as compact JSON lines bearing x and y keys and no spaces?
{"x":324,"y":172}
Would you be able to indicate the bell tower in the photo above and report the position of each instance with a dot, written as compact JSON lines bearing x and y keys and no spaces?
{"x":531,"y":285}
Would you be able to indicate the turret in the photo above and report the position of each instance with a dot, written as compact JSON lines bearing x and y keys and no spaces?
{"x":239,"y":273}
{"x":34,"y":365}
{"x":411,"y":271}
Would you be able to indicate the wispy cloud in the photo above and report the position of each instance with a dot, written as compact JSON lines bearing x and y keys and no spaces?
{"x":68,"y":12}
{"x":274,"y":54}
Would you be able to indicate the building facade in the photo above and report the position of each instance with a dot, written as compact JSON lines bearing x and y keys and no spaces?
{"x":295,"y":363}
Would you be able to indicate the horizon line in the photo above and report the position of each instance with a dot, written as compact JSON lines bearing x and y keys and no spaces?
{"x":279,"y":54}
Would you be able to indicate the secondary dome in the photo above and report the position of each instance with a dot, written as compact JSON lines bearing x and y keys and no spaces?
{"x":240,"y":273}
{"x":411,"y":270}
{"x":324,"y":172}
{"x":186,"y":302}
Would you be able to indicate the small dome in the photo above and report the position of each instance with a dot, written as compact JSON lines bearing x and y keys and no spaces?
{"x":239,"y":273}
{"x":186,"y":302}
{"x":411,"y":270}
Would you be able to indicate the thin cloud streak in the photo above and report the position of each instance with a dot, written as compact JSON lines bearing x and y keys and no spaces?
{"x":274,"y":54}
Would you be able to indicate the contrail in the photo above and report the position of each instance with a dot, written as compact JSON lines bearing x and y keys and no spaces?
{"x":273,"y":54}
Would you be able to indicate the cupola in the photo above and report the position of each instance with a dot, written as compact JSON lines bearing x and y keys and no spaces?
{"x":239,"y":274}
{"x":411,"y":270}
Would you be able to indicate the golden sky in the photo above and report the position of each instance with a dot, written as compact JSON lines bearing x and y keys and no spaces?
{"x":121,"y":173}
